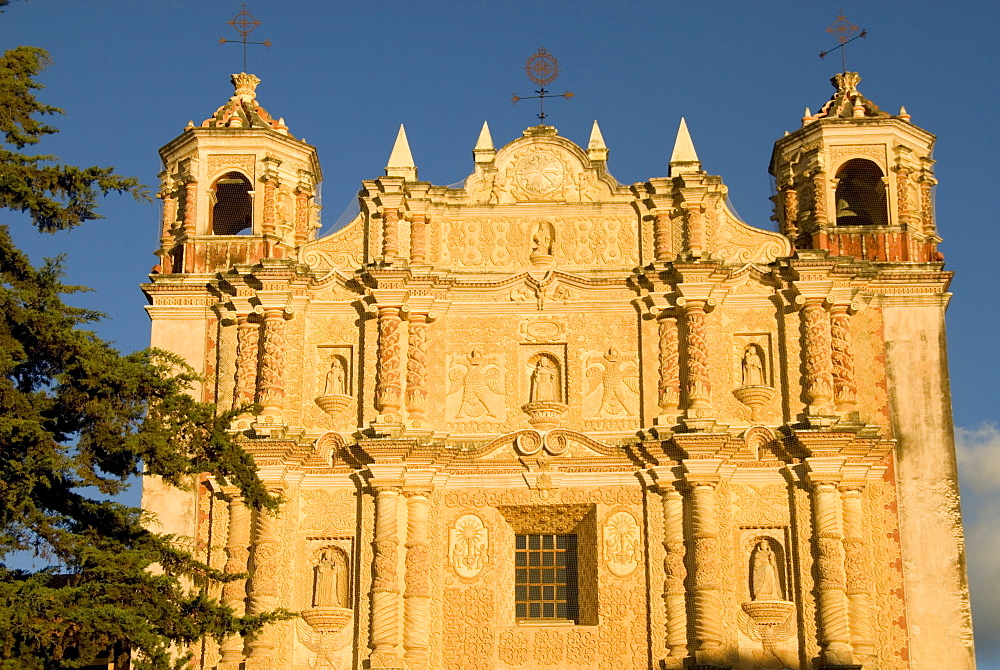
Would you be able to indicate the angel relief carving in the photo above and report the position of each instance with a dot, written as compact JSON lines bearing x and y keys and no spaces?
{"x":618,"y":381}
{"x":477,"y":391}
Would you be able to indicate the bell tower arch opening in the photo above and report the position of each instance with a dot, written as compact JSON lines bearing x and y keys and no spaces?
{"x":861,"y":194}
{"x":232,"y":211}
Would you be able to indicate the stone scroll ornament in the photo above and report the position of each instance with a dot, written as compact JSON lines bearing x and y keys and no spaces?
{"x":468,"y":546}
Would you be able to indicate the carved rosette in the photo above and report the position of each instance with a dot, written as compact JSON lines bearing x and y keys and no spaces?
{"x":818,"y":354}
{"x":416,"y":596}
{"x":387,"y":383}
{"x":845,"y":391}
{"x":385,"y":585}
{"x":272,"y":392}
{"x":699,"y":386}
{"x":707,"y":571}
{"x":416,"y":369}
{"x":833,"y":633}
{"x":390,"y":233}
{"x":247,"y":339}
{"x":669,"y":382}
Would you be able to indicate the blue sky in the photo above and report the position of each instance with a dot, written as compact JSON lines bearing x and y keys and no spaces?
{"x":345,"y":75}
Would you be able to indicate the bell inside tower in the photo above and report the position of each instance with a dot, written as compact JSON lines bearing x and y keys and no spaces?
{"x":861,"y":194}
{"x":233,"y":210}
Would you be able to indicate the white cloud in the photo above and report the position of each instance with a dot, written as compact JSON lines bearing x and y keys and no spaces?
{"x":978,"y":451}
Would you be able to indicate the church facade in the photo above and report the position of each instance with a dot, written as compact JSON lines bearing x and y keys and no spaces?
{"x":548,"y":420}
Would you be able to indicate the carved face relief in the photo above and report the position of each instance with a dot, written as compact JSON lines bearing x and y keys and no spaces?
{"x":540,"y":172}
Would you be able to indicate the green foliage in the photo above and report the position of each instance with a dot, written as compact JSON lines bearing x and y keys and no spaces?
{"x":78,"y":423}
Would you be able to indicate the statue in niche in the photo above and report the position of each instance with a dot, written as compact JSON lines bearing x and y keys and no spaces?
{"x":753,"y":366}
{"x":336,"y":378}
{"x":541,"y":241}
{"x":330,"y":580}
{"x":545,"y":381}
{"x":764,"y":573}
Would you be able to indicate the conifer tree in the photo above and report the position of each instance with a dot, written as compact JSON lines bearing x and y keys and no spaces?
{"x":78,"y":422}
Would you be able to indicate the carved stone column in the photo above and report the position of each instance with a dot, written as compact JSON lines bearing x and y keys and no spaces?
{"x":695,"y":215}
{"x":302,"y":196}
{"x":270,"y":184}
{"x":927,"y":206}
{"x":247,"y":342}
{"x":832,"y":631}
{"x":674,"y":592}
{"x":390,"y":234}
{"x":818,"y":356}
{"x":234,"y":593}
{"x":707,"y":567}
{"x":669,"y":381}
{"x":272,"y":391}
{"x":226,"y":357}
{"x":385,"y":589}
{"x":169,"y":216}
{"x":858,"y":587}
{"x":265,"y":569}
{"x":190,"y":197}
{"x":416,"y":369}
{"x":699,"y":384}
{"x":845,"y":391}
{"x":819,"y":198}
{"x":387,"y":382}
{"x":662,"y":235}
{"x":790,"y":200}
{"x":902,"y":195}
{"x":418,"y":238}
{"x":416,"y":596}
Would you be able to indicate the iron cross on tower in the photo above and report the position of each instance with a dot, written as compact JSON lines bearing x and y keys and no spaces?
{"x":845,"y":32}
{"x":542,"y":68}
{"x":244,"y":23}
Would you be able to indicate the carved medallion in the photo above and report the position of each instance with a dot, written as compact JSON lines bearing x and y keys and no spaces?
{"x":468,"y":545}
{"x":540,"y":172}
{"x":621,"y":543}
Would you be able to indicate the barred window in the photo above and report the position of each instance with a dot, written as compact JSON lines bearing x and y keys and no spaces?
{"x":546,"y":585}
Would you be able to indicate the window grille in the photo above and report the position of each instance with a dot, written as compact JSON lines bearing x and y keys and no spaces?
{"x":546,"y":585}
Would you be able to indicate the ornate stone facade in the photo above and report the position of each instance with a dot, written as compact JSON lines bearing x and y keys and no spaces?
{"x":732,"y":441}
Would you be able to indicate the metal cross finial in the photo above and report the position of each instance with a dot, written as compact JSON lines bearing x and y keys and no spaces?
{"x":542,"y":68}
{"x":244,"y":23}
{"x":845,"y":32}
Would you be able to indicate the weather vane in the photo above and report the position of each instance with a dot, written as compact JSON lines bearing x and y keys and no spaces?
{"x":542,"y":68}
{"x":845,"y":32}
{"x":244,"y":23}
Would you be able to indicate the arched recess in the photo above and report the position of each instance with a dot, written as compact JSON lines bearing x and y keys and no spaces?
{"x":861,"y":194}
{"x":232,"y":212}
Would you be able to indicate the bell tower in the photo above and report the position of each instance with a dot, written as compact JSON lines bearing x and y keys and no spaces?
{"x":236,"y":189}
{"x":857,"y":181}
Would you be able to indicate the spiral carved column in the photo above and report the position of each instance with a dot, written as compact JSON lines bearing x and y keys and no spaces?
{"x":416,"y":596}
{"x":926,"y":206}
{"x":169,"y":218}
{"x":818,"y":355}
{"x":699,"y":385}
{"x":387,"y":382}
{"x":390,"y":233}
{"x":272,"y":391}
{"x":674,"y":592}
{"x":190,"y":196}
{"x":790,"y":200}
{"x":302,"y":196}
{"x":669,"y":382}
{"x":247,"y":342}
{"x":270,"y":183}
{"x":662,"y":235}
{"x":819,"y":198}
{"x":858,"y":586}
{"x":845,"y":391}
{"x":833,"y":631}
{"x":418,"y":239}
{"x":385,"y":590}
{"x":234,"y":593}
{"x":416,"y":369}
{"x":265,"y":569}
{"x":695,"y":214}
{"x":707,"y":567}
